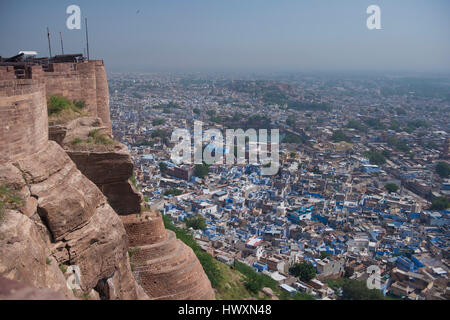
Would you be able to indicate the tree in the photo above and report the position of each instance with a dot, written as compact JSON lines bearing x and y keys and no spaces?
{"x":290,"y":122}
{"x":375,"y":157}
{"x":304,"y":270}
{"x":197,"y":222}
{"x":440,"y":203}
{"x":443,"y":169}
{"x":201,"y":170}
{"x":339,"y":136}
{"x":357,"y":290}
{"x":324,"y":254}
{"x":162,"y":166}
{"x":391,"y":187}
{"x":157,"y":122}
{"x":175,"y":192}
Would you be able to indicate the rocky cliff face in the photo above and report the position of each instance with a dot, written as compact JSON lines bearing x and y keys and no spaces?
{"x":14,"y":290}
{"x":164,"y":266}
{"x":51,"y":215}
{"x":59,"y":201}
{"x":108,"y":167}
{"x":66,"y":221}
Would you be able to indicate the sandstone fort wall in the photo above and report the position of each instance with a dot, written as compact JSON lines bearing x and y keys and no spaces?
{"x":23,"y":119}
{"x":85,"y":81}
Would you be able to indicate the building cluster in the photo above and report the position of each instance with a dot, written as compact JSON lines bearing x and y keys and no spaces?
{"x":329,"y":205}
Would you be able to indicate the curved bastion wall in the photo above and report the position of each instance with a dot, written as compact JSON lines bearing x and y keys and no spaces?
{"x":23,"y":119}
{"x":163,"y":265}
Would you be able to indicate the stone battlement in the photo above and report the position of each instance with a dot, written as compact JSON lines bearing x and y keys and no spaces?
{"x":83,"y":80}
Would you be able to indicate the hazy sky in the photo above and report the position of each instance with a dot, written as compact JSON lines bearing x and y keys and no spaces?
{"x":233,"y":35}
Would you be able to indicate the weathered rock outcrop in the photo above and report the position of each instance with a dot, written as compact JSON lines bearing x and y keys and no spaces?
{"x":71,"y":223}
{"x":63,"y":211}
{"x":110,"y":169}
{"x":164,"y":266}
{"x":14,"y":290}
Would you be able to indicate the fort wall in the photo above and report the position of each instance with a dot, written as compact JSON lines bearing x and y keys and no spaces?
{"x":23,"y":119}
{"x":85,"y":81}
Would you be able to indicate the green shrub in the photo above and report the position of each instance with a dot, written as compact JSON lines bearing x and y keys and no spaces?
{"x":255,"y":281}
{"x":357,"y":290}
{"x":99,"y":138}
{"x":440,"y":203}
{"x":62,"y":110}
{"x":158,"y":122}
{"x":76,"y":141}
{"x":132,"y":252}
{"x":391,"y":187}
{"x":79,"y":104}
{"x":339,"y":136}
{"x":9,"y":199}
{"x":197,"y":222}
{"x":304,"y":270}
{"x":56,"y":104}
{"x":375,"y":157}
{"x":175,"y":192}
{"x":443,"y":169}
{"x":134,"y":181}
{"x":63,"y":268}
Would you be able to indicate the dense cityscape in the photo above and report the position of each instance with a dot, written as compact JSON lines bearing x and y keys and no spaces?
{"x":362,"y":189}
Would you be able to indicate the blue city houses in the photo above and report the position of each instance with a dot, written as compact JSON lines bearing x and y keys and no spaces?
{"x":260,"y":267}
{"x":300,"y":214}
{"x":405,"y":264}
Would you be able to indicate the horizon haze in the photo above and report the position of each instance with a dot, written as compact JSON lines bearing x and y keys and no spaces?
{"x":236,"y":36}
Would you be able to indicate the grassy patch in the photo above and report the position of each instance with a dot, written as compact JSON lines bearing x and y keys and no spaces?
{"x":134,"y":181}
{"x":132,"y":251}
{"x":63,"y":268}
{"x":76,"y":141}
{"x":100,"y":138}
{"x":96,"y":141}
{"x":255,"y":281}
{"x":9,"y":199}
{"x":232,"y":286}
{"x":62,"y":110}
{"x":336,"y":283}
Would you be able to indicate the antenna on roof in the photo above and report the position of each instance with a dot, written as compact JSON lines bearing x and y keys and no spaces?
{"x":87,"y":39}
{"x":62,"y":45}
{"x":49,"y":46}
